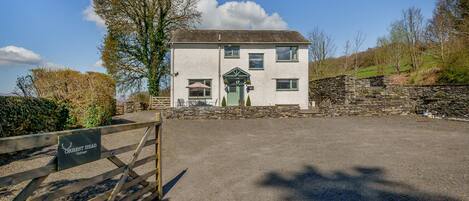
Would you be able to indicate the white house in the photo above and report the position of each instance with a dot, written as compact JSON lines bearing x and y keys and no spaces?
{"x":269,"y":66}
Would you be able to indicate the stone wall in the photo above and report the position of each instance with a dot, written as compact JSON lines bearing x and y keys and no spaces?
{"x":441,"y":100}
{"x":334,"y":90}
{"x":375,"y":96}
{"x":252,"y":112}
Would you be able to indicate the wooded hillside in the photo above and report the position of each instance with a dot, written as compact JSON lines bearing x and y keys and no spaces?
{"x":415,"y":51}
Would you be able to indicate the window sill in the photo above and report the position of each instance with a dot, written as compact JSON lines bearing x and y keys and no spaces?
{"x":287,"y":61}
{"x":287,"y":90}
{"x":198,"y":98}
{"x":231,"y":57}
{"x":256,"y":68}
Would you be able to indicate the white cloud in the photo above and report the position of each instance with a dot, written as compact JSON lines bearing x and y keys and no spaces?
{"x":230,"y":15}
{"x":91,"y":16}
{"x":18,"y":55}
{"x":98,"y":63}
{"x":237,"y":15}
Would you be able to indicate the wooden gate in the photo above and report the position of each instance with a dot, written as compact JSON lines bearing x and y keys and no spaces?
{"x":128,"y":178}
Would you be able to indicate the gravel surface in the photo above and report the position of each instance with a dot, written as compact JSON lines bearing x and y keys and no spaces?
{"x":343,"y":158}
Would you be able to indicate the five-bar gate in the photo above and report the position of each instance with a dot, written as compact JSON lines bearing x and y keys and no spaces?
{"x":128,"y":178}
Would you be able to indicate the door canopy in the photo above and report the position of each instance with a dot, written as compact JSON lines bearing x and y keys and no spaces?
{"x":236,"y":74}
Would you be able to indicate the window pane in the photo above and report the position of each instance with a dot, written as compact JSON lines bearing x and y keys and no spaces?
{"x":256,"y":60}
{"x":287,"y":84}
{"x":231,"y":51}
{"x":283,"y":53}
{"x":294,"y":84}
{"x":287,"y":53}
{"x":196,"y":92}
{"x":200,"y":92}
{"x":294,"y":52}
{"x":283,"y":84}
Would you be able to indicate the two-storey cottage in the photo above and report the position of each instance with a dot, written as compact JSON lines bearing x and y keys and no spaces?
{"x":269,"y":66}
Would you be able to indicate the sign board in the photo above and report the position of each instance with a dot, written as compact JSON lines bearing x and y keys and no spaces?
{"x":78,"y":149}
{"x":250,"y":88}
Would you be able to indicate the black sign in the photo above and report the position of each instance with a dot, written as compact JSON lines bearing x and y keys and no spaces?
{"x":77,"y":149}
{"x":250,"y":88}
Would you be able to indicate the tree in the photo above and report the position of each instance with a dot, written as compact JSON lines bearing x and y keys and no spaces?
{"x":440,"y":30}
{"x":346,"y":52}
{"x":358,"y":41}
{"x":25,"y":86}
{"x":321,"y":47}
{"x":412,"y":22}
{"x":138,"y":36}
{"x":397,"y":44}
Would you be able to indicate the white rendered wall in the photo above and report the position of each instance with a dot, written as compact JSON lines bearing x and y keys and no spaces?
{"x":200,"y":61}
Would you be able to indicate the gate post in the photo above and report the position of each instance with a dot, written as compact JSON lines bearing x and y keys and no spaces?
{"x":158,"y":136}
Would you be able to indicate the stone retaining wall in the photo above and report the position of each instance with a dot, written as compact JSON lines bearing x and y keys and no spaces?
{"x":252,"y":112}
{"x":441,"y":100}
{"x":375,"y":96}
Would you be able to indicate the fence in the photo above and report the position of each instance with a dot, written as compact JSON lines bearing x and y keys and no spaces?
{"x":128,"y":178}
{"x":159,"y":102}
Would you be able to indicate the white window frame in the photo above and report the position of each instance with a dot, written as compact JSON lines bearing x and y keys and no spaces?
{"x":292,"y":59}
{"x":203,"y":81}
{"x":260,"y":59}
{"x":231,"y":51}
{"x":290,"y":82}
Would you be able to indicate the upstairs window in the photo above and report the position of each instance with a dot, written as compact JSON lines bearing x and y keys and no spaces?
{"x":231,"y":51}
{"x":201,"y":92}
{"x":287,"y":53}
{"x":287,"y":84}
{"x":256,"y":61}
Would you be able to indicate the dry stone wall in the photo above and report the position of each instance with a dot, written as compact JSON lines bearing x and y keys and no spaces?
{"x":375,"y":96}
{"x":251,"y":112}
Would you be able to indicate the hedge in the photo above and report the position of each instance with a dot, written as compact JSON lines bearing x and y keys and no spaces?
{"x":26,"y":115}
{"x":90,"y":96}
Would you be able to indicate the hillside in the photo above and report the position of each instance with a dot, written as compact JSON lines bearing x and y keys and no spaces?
{"x":429,"y":73}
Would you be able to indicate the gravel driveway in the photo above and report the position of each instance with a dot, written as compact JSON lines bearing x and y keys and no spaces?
{"x":342,"y":158}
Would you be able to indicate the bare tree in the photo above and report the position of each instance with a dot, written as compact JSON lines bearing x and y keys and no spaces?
{"x":440,"y":30}
{"x":358,"y":41}
{"x":322,"y":47}
{"x":412,"y":20}
{"x":138,"y":36}
{"x":346,"y":52}
{"x":397,"y":44}
{"x":25,"y":86}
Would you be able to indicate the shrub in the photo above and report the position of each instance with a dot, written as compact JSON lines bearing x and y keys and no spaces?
{"x":96,"y":116}
{"x":27,"y":115}
{"x":85,"y":94}
{"x":454,"y":75}
{"x":223,"y":102}
{"x":248,"y":101}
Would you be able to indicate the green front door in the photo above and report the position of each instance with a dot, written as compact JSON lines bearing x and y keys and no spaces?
{"x":235,"y":93}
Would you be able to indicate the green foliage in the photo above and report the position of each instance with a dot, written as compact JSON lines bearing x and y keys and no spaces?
{"x":96,"y":116}
{"x":223,"y":102}
{"x":248,"y":101}
{"x":26,"y":115}
{"x":454,"y":75}
{"x":138,"y":36}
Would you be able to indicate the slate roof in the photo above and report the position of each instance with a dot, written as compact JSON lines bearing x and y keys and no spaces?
{"x":239,"y":36}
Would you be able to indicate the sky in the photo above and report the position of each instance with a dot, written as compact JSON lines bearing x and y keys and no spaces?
{"x":68,"y":34}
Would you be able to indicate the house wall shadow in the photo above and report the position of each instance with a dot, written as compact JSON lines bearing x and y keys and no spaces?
{"x":365,"y":184}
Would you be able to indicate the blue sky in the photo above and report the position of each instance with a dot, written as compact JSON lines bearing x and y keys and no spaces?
{"x":57,"y":32}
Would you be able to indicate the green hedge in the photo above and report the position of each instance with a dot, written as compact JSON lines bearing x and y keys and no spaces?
{"x":25,"y":115}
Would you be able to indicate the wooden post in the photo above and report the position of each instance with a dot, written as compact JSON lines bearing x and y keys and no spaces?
{"x":158,"y":136}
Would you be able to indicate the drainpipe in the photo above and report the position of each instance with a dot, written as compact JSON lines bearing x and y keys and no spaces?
{"x":172,"y":74}
{"x":219,"y":70}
